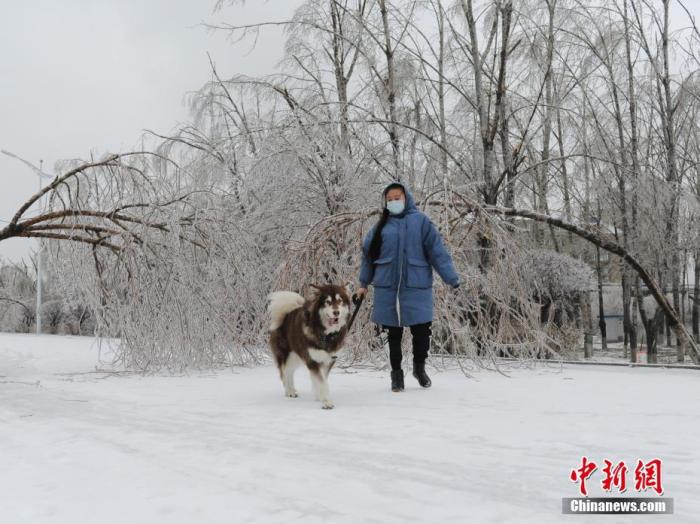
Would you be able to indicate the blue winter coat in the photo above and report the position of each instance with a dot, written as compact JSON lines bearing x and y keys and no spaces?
{"x":402,"y":275}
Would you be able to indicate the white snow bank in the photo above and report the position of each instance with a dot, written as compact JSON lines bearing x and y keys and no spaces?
{"x":85,"y":447}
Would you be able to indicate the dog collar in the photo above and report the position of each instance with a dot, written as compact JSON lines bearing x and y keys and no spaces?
{"x":329,"y":338}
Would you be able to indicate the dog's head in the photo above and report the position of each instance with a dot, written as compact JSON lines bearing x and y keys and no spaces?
{"x":330,"y":305}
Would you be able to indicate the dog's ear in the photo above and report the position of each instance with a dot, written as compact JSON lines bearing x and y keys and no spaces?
{"x":314,"y":291}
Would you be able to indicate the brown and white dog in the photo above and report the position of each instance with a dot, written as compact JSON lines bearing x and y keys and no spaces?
{"x":308,"y":332}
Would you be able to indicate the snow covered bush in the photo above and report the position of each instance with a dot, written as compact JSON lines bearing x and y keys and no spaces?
{"x":556,"y":276}
{"x":53,"y":315}
{"x":563,"y":284}
{"x":17,"y":297}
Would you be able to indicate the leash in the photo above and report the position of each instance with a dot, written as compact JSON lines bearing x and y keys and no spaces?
{"x":357,"y":301}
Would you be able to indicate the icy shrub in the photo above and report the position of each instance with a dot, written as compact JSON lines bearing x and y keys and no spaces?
{"x":557,"y":277}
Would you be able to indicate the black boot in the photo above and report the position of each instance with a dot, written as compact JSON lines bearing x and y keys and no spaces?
{"x":397,"y":380}
{"x":421,"y":375}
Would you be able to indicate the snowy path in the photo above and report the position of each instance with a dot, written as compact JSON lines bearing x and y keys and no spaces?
{"x":228,"y":447}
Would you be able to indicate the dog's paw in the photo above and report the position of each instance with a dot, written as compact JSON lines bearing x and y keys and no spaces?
{"x":327,"y":404}
{"x":291,"y":394}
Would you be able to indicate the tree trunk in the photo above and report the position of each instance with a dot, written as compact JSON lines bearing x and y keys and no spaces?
{"x":564,"y":171}
{"x":634,"y":143}
{"x":696,"y":297}
{"x":390,"y":88}
{"x":488,"y":127}
{"x":441,"y":95}
{"x":630,"y":335}
{"x":342,"y":77}
{"x":542,"y":174}
{"x":680,"y":352}
{"x":588,"y":326}
{"x":601,"y":303}
{"x":667,"y":116}
{"x":684,"y":286}
{"x":651,"y":326}
{"x":633,"y":330}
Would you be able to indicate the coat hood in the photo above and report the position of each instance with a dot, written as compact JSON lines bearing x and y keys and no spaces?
{"x":410,"y":202}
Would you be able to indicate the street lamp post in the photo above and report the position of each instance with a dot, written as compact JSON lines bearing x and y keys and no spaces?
{"x":39,"y":172}
{"x":39,"y":258}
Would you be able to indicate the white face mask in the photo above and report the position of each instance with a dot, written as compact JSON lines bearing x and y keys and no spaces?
{"x":395,"y":207}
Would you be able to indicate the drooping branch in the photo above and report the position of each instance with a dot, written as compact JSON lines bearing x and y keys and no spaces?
{"x":73,"y":219}
{"x":607,"y":244}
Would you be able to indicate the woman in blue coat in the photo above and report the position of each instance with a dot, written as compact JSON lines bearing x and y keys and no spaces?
{"x":399,"y":254}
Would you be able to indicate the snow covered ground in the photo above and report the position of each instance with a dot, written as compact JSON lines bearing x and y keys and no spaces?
{"x":78,"y":446}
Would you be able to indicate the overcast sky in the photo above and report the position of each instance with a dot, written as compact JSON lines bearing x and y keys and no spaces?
{"x":82,"y":76}
{"x":89,"y":75}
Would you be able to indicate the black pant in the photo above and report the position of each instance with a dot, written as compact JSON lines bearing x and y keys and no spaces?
{"x":421,"y":343}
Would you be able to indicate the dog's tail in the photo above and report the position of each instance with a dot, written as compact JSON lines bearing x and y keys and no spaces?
{"x":281,"y":304}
